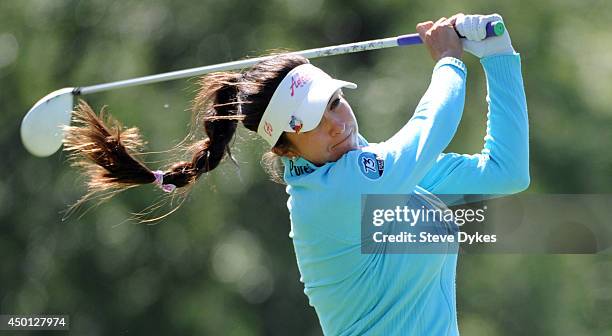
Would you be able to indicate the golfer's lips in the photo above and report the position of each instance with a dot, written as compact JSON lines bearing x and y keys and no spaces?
{"x":343,"y":140}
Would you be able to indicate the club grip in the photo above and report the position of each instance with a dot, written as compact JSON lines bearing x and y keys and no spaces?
{"x":494,"y":28}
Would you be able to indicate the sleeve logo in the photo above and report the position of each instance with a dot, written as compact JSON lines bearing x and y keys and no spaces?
{"x":371,"y":165}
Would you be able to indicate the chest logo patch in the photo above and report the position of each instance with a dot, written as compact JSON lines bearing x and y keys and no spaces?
{"x":371,"y":165}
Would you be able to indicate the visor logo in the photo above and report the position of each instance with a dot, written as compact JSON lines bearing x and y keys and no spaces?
{"x":297,"y":81}
{"x":295,"y":124}
{"x":268,"y":128}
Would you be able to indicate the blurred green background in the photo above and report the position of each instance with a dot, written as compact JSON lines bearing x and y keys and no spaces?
{"x":223,"y":264}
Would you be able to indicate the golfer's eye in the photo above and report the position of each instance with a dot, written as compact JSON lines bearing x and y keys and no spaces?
{"x":335,"y":103}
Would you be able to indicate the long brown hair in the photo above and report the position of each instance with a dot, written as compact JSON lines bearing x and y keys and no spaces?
{"x":109,"y":154}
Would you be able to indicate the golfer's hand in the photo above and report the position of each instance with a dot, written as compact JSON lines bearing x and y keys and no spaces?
{"x":440,"y":38}
{"x":473,"y":27}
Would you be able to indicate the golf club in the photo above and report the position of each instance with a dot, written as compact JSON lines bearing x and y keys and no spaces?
{"x":41,"y":128}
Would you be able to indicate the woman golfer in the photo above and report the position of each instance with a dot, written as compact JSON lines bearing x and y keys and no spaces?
{"x":303,"y":115}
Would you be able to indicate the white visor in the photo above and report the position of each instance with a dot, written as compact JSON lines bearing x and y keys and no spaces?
{"x":299,"y":102}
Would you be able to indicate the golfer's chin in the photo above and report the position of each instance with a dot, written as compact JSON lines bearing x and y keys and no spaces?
{"x":346,"y":146}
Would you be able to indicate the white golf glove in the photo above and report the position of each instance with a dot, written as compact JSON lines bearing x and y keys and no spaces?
{"x":473,"y":27}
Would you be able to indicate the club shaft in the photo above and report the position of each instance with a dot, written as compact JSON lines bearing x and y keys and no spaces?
{"x":235,"y":65}
{"x":404,"y":40}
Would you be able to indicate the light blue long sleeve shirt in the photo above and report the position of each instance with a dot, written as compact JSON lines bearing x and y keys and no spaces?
{"x":403,"y":294}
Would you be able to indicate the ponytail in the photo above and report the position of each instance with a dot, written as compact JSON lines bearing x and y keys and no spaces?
{"x":105,"y":150}
{"x":218,"y":101}
{"x":108,"y":153}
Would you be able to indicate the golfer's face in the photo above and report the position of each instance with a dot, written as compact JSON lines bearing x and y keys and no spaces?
{"x":335,"y":135}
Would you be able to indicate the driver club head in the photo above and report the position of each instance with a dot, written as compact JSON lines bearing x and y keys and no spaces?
{"x":41,"y":128}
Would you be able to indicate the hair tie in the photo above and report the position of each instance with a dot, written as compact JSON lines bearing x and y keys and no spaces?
{"x":159,"y":181}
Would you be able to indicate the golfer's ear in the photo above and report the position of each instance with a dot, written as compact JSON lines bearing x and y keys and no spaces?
{"x":284,"y":152}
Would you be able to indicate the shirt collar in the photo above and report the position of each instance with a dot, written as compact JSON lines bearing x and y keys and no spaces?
{"x":297,"y":167}
{"x":300,"y":167}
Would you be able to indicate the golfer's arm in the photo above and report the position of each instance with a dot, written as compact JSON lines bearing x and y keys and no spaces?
{"x":413,"y":149}
{"x":502,"y":167}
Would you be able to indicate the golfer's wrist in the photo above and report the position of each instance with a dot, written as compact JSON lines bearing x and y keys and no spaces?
{"x":451,"y":61}
{"x":450,"y":53}
{"x":505,"y":52}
